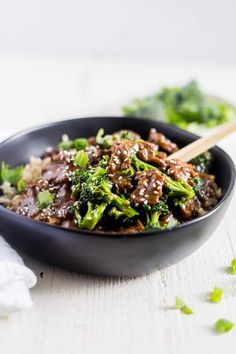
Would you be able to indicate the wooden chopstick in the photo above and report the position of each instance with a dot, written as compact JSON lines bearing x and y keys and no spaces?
{"x":201,"y":145}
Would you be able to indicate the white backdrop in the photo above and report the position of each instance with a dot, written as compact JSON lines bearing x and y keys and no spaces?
{"x":163,"y":29}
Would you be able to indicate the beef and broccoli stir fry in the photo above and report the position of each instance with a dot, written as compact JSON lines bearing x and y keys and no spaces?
{"x":119,"y":183}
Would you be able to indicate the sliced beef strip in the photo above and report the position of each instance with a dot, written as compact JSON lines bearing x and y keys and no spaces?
{"x":163,"y":143}
{"x":209,"y":193}
{"x":148,"y":153}
{"x":180,"y":170}
{"x":95,"y":154}
{"x":26,"y":203}
{"x":56,"y":213}
{"x":123,"y":184}
{"x":149,"y":188}
{"x":60,"y":168}
{"x":92,"y":140}
{"x":50,"y":152}
{"x":59,"y":211}
{"x":206,"y":198}
{"x":55,"y":178}
{"x":120,"y":158}
{"x":120,"y":161}
{"x":192,"y":208}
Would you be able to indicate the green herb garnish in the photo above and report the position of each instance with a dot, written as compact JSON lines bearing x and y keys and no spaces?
{"x":44,"y":199}
{"x":223,"y":325}
{"x":179,"y":303}
{"x":232,"y":269}
{"x":216,"y":295}
{"x":81,"y":159}
{"x":13,"y":175}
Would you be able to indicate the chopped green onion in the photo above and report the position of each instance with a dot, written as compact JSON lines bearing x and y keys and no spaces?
{"x":81,"y":159}
{"x":99,"y":136}
{"x":20,"y":185}
{"x":44,"y":199}
{"x":12,"y":176}
{"x":179,"y":304}
{"x":216,"y":295}
{"x":222,"y":325}
{"x":66,"y":143}
{"x":80,"y":144}
{"x":232,"y":269}
{"x":129,"y":172}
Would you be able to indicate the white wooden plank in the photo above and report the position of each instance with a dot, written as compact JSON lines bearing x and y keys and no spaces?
{"x":77,"y":313}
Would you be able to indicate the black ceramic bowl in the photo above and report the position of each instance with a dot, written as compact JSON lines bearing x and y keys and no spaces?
{"x":108,"y":254}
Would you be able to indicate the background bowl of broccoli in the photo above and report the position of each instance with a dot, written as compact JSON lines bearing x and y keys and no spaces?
{"x":187,"y":107}
{"x":109,"y":253}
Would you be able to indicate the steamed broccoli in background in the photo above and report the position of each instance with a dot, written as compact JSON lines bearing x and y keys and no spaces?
{"x":181,"y":106}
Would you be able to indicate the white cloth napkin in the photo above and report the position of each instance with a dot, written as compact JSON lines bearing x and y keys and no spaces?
{"x":15,"y":281}
{"x":15,"y":278}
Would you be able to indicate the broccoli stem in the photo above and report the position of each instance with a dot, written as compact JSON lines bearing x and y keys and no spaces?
{"x":104,"y":190}
{"x":152,"y":218}
{"x":92,"y":217}
{"x":116,"y":213}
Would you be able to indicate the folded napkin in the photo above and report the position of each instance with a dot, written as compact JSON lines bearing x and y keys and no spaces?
{"x":15,"y":278}
{"x":15,"y":281}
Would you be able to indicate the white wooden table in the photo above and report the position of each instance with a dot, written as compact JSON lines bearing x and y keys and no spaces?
{"x":83,"y":314}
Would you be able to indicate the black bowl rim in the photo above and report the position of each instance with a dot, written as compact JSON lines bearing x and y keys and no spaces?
{"x":114,"y":235}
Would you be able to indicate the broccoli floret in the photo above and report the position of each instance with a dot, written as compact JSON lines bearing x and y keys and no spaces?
{"x":84,"y":183}
{"x":179,"y":188}
{"x":154,"y":215}
{"x":94,"y":193}
{"x":85,"y":179}
{"x":104,"y":191}
{"x":116,"y":214}
{"x":104,"y":161}
{"x":198,"y":183}
{"x":92,"y":217}
{"x":203,"y":162}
